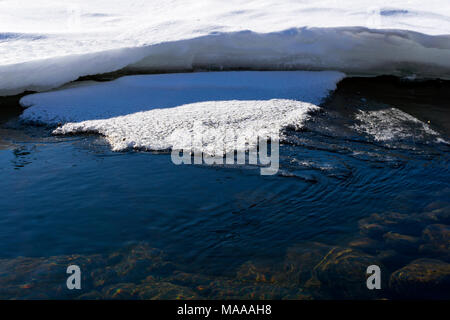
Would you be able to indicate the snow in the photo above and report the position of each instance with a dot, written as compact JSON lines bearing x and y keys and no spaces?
{"x":159,"y":112}
{"x":212,"y":127}
{"x":45,"y":44}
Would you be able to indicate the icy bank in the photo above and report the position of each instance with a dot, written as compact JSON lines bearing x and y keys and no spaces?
{"x":44,"y":45}
{"x":158,"y":112}
{"x":355,"y":51}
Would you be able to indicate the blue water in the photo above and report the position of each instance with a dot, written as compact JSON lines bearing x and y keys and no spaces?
{"x":75,"y":196}
{"x":66,"y":195}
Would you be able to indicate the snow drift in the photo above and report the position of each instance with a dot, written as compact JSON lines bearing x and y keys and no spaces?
{"x":44,"y":45}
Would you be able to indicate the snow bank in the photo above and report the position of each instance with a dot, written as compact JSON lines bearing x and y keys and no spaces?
{"x":47,"y":43}
{"x":158,"y":112}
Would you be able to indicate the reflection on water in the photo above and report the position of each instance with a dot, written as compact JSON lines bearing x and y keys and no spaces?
{"x":141,"y":227}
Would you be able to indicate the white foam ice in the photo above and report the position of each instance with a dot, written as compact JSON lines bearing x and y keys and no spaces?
{"x":47,"y":43}
{"x":159,"y":112}
{"x":392,"y":124}
{"x":211,"y":127}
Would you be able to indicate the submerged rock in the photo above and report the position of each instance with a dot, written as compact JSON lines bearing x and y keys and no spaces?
{"x":257,"y":271}
{"x":300,"y":261}
{"x":112,"y":276}
{"x":132,"y":265}
{"x":156,"y":290}
{"x":121,"y":291}
{"x":342,"y":274}
{"x":92,"y":295}
{"x":372,"y":230}
{"x":436,"y":239}
{"x":191,"y":280}
{"x":422,"y":278}
{"x":377,"y":224}
{"x":392,"y":260}
{"x":222,"y":288}
{"x":366,"y":244}
{"x":44,"y":278}
{"x":401,"y":242}
{"x":438,"y":215}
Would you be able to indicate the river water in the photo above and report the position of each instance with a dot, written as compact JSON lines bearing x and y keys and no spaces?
{"x":363,"y":183}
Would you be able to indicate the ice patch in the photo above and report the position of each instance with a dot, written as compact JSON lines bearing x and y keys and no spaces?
{"x":212,"y":127}
{"x":393,"y":125}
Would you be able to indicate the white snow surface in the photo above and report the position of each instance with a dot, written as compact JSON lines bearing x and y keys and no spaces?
{"x":47,"y":43}
{"x":212,"y":127}
{"x":224,"y":110}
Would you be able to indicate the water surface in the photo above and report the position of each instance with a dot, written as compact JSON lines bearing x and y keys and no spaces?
{"x":65,"y":196}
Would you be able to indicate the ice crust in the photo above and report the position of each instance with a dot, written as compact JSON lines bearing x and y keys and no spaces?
{"x":212,"y":127}
{"x":392,"y":124}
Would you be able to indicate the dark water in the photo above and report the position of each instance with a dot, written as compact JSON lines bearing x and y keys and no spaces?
{"x":150,"y":229}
